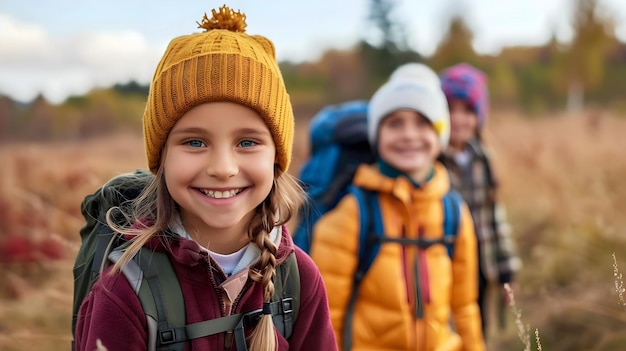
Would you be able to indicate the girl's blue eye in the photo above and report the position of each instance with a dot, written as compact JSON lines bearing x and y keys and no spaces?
{"x":247,"y":143}
{"x":195,"y":143}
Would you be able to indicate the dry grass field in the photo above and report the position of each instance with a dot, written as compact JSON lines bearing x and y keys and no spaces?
{"x":562,"y":180}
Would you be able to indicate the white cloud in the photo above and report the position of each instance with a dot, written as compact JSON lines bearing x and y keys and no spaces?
{"x":22,"y":43}
{"x":33,"y":62}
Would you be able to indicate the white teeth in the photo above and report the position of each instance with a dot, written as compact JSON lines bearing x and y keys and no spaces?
{"x":220,"y":194}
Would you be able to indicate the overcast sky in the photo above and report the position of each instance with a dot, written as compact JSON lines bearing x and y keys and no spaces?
{"x":66,"y":47}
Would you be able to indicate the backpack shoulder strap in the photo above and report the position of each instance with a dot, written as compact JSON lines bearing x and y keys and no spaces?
{"x":370,"y":229}
{"x":284,"y":309}
{"x":153,"y":279}
{"x":106,"y":240}
{"x":452,"y":202}
{"x":286,"y":298}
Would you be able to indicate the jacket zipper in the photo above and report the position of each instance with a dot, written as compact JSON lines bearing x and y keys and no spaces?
{"x":230,"y":335}
{"x":211,"y":271}
{"x":415,"y":268}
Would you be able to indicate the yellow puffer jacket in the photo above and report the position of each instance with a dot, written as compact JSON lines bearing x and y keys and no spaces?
{"x":384,"y":316}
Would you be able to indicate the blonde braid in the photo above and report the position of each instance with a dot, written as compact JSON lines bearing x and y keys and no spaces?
{"x":283,"y":200}
{"x":264,"y":337}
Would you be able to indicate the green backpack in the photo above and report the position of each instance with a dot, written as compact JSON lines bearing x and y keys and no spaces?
{"x":152,"y":277}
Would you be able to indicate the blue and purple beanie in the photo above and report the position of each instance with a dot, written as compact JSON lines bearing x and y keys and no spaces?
{"x":469,"y":84}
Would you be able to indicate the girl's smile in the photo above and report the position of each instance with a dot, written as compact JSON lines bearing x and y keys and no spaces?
{"x":221,"y":194}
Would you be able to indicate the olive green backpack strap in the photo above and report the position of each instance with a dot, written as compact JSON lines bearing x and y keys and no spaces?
{"x":153,"y":279}
{"x":152,"y":276}
{"x":286,"y":298}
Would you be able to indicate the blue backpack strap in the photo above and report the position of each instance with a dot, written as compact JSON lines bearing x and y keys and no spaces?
{"x":370,"y":231}
{"x":451,"y":219}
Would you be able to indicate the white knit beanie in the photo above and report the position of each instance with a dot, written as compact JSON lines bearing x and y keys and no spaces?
{"x":411,"y":86}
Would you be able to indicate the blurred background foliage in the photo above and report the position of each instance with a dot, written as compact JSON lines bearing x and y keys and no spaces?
{"x":588,"y":71}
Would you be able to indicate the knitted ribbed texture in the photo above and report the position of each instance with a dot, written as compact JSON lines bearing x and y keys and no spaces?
{"x":218,"y":65}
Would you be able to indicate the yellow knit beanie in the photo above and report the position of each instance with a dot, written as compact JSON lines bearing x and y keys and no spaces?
{"x":221,"y":64}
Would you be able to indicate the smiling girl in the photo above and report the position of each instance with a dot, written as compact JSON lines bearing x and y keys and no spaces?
{"x":218,"y":130}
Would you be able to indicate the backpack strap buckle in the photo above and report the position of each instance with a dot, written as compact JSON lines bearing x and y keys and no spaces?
{"x":287,"y":305}
{"x":167,"y":336}
{"x":251,"y":318}
{"x":171,"y":335}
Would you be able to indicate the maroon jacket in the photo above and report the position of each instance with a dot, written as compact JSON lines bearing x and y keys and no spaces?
{"x":112,"y":311}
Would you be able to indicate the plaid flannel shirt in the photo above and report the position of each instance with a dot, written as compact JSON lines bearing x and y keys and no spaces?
{"x":498,"y":261}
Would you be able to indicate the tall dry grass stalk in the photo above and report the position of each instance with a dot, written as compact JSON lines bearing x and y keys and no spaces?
{"x":619,"y":283}
{"x":523,"y":331}
{"x":537,"y":339}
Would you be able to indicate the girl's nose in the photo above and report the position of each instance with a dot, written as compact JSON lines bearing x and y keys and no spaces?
{"x":222,"y":164}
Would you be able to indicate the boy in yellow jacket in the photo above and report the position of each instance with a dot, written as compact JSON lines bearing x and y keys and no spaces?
{"x":408,"y":295}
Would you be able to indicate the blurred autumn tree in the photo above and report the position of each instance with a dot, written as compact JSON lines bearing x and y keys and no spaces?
{"x":583,"y":69}
{"x":456,"y":46}
{"x":307,"y":87}
{"x":352,"y":74}
{"x":591,"y":68}
{"x":503,"y":77}
{"x":384,"y":46}
{"x":99,"y":112}
{"x":7,"y":110}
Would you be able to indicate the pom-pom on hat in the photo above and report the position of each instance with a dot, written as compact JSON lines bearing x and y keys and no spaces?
{"x":411,"y":86}
{"x":223,"y":63}
{"x":469,"y":84}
